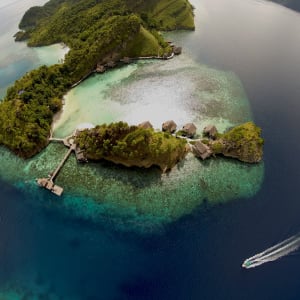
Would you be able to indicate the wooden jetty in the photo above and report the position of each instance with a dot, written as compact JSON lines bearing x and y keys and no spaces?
{"x":48,"y":183}
{"x":54,"y":174}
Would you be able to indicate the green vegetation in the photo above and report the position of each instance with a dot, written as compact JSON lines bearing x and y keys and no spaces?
{"x":164,"y":14}
{"x":145,"y":44}
{"x":97,"y":32}
{"x":217,"y":147}
{"x":174,"y":15}
{"x":243,"y":142}
{"x":131,"y":145}
{"x":26,"y":112}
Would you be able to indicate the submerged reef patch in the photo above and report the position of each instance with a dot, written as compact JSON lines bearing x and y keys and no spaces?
{"x":143,"y":199}
{"x":132,"y":199}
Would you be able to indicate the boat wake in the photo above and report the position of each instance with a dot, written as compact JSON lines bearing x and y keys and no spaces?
{"x":273,"y":253}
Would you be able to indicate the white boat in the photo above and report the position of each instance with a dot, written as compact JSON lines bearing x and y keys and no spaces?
{"x":273,"y":253}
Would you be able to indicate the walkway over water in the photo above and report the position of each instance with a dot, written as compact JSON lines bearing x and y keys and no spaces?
{"x":55,"y":140}
{"x":54,"y":174}
{"x":48,"y":183}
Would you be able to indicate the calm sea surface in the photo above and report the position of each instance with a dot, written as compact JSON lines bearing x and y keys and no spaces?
{"x":46,"y":255}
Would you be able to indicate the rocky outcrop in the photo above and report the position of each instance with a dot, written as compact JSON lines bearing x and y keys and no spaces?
{"x":177,"y":50}
{"x":189,"y":130}
{"x":169,"y":126}
{"x":100,"y":68}
{"x":201,"y":150}
{"x":141,"y":146}
{"x":131,"y":146}
{"x":243,"y":142}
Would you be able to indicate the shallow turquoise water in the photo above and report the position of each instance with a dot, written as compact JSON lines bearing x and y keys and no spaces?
{"x":139,"y":199}
{"x":136,"y":234}
{"x":133,"y":199}
{"x":178,"y":89}
{"x":30,"y":59}
{"x":16,"y":58}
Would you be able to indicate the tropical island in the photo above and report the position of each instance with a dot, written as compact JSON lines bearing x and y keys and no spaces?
{"x":133,"y":198}
{"x":97,"y":33}
{"x":99,"y":36}
{"x":142,"y":146}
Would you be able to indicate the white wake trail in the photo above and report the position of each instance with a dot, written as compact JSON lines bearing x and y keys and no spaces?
{"x":273,"y":253}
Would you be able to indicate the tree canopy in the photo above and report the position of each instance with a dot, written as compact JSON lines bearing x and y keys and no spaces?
{"x":131,"y":145}
{"x":97,"y":32}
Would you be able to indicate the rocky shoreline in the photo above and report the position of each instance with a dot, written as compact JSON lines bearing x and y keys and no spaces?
{"x":142,"y":146}
{"x":242,"y":142}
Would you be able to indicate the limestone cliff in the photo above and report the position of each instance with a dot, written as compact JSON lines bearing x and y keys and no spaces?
{"x":243,"y":142}
{"x":132,"y":146}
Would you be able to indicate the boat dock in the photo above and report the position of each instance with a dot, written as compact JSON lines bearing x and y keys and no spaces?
{"x":54,"y":174}
{"x":48,"y":183}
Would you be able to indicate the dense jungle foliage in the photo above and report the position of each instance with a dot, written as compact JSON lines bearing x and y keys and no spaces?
{"x":243,"y":142}
{"x":97,"y":32}
{"x":27,"y":111}
{"x":131,"y":145}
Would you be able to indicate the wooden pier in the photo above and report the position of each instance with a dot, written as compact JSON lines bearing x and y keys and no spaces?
{"x":54,"y":174}
{"x":48,"y":183}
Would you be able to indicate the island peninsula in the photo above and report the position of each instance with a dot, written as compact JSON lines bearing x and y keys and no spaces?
{"x":142,"y":146}
{"x":97,"y":33}
{"x":99,"y":36}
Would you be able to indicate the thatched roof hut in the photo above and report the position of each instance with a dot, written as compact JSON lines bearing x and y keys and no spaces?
{"x":145,"y":125}
{"x":111,"y":64}
{"x":189,"y":130}
{"x":210,"y":131}
{"x":201,"y":150}
{"x":100,"y":68}
{"x":80,"y":155}
{"x":177,"y":50}
{"x":169,"y":126}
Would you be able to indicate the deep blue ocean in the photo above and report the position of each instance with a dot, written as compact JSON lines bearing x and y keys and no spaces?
{"x":46,"y":255}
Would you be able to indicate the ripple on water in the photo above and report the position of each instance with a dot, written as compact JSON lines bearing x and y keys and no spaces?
{"x":139,"y":199}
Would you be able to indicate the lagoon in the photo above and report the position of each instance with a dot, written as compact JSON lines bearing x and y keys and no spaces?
{"x":52,"y":249}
